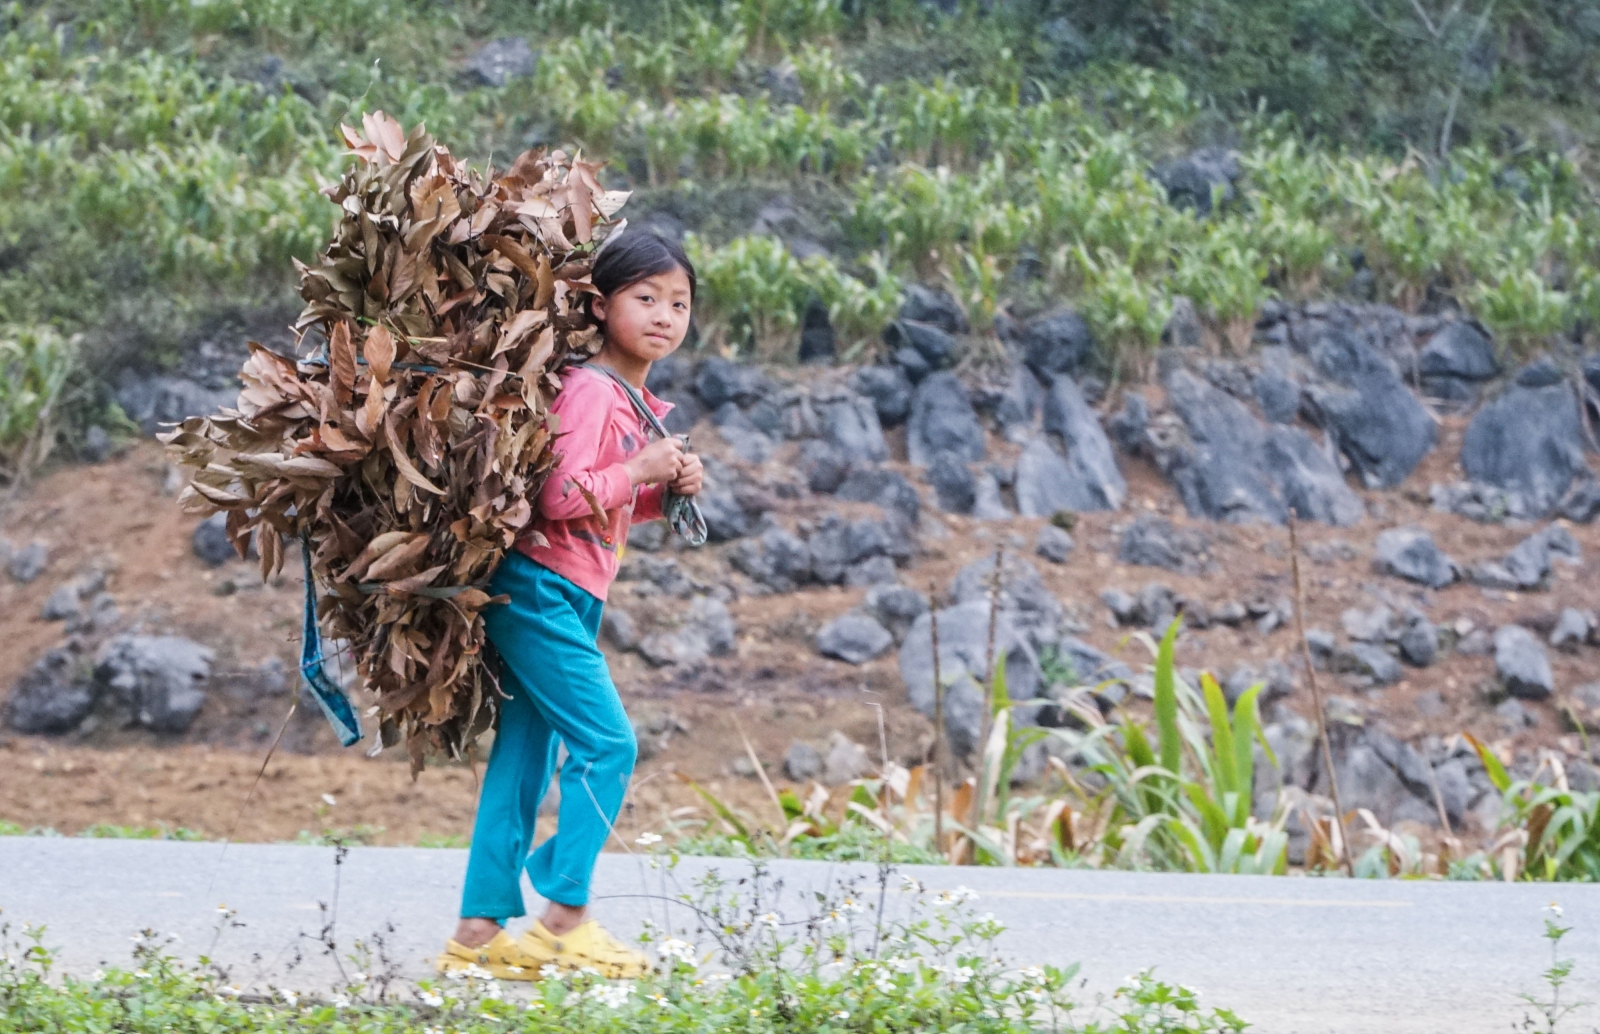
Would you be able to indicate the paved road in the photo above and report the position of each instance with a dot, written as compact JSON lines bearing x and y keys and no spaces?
{"x":1294,"y":956}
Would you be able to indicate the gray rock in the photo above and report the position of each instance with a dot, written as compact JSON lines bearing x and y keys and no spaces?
{"x":1228,"y":466}
{"x":1528,"y":440}
{"x":100,"y":615}
{"x":1380,"y":426}
{"x":1309,"y":482}
{"x":1529,"y":563}
{"x":96,"y":445}
{"x":1581,"y":504}
{"x":1124,"y":606}
{"x":1419,"y":642}
{"x":1370,"y":660}
{"x":1460,"y":351}
{"x":1129,"y":427}
{"x":1322,"y":644}
{"x":1023,"y":593}
{"x":62,"y":604}
{"x":1158,"y":605}
{"x":649,"y":536}
{"x":823,"y":467}
{"x":1278,"y":395}
{"x":161,"y":679}
{"x":210,"y":541}
{"x":1369,"y":626}
{"x":801,"y":762}
{"x":1086,"y":478}
{"x":1056,"y":343}
{"x":818,"y":343}
{"x":499,"y":61}
{"x":1199,"y":179}
{"x":895,"y":607}
{"x":151,"y":400}
{"x":1054,"y":544}
{"x":888,"y":388}
{"x":1410,"y":553}
{"x":620,"y":628}
{"x":963,"y":651}
{"x":778,"y":559}
{"x":1571,"y":631}
{"x":29,"y":562}
{"x":933,"y":345}
{"x":1513,"y":716}
{"x":878,"y":570}
{"x":1491,"y":574}
{"x":854,"y":638}
{"x":953,"y":484}
{"x":850,"y":424}
{"x":987,"y":503}
{"x":1183,"y":329}
{"x":846,"y":761}
{"x":888,"y":489}
{"x":935,"y":306}
{"x":719,"y":381}
{"x":1152,"y":541}
{"x":1522,"y":664}
{"x":943,"y":420}
{"x":910,"y":363}
{"x":705,"y":630}
{"x":725,"y":516}
{"x":52,"y":697}
{"x":1383,"y":774}
{"x":1019,"y":403}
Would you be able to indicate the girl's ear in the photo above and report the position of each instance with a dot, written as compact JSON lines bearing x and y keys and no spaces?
{"x":597,"y":306}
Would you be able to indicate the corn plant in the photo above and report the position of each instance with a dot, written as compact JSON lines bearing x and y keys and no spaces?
{"x":35,"y":363}
{"x":1183,"y":802}
{"x":1548,"y":831}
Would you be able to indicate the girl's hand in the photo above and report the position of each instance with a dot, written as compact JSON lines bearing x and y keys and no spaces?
{"x":657,"y":462}
{"x":690,"y":476}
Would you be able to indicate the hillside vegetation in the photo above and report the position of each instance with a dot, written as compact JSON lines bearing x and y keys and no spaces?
{"x":160,"y":160}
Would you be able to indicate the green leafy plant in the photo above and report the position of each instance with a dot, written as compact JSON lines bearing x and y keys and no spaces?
{"x":1183,"y":802}
{"x":1548,"y":831}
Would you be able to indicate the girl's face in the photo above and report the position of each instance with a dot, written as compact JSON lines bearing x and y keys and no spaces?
{"x":648,"y":319}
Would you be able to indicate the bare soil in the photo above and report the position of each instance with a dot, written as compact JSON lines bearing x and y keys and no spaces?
{"x":776,"y":690}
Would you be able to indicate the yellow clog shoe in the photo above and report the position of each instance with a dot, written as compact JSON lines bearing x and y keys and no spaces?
{"x":587,"y":946}
{"x":504,"y":957}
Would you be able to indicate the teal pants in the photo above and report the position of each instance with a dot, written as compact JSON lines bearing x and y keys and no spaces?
{"x":560,"y":693}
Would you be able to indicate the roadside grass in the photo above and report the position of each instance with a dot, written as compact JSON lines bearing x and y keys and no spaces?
{"x":881,"y":955}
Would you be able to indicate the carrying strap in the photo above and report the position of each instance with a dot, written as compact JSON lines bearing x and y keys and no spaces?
{"x":682,"y":512}
{"x":335,"y":705}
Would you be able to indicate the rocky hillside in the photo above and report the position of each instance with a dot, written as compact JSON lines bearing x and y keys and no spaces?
{"x":1445,"y":504}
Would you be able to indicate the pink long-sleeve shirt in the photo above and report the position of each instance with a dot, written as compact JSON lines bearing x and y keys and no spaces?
{"x":599,"y":432}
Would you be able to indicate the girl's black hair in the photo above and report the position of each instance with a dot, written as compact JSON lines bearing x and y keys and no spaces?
{"x":635,"y":255}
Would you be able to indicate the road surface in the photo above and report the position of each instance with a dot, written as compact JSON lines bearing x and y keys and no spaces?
{"x":1292,"y":956}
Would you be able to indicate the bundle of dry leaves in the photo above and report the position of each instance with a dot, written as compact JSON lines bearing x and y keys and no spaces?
{"x":406,"y":442}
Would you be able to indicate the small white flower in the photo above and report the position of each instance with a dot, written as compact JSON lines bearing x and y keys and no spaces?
{"x":97,"y":976}
{"x":613,"y":996}
{"x":902,"y":965}
{"x":429,"y":998}
{"x":327,"y":799}
{"x":961,"y":974}
{"x":142,"y":974}
{"x":339,"y":1002}
{"x":959,"y":896}
{"x":1554,"y":909}
{"x":358,"y":978}
{"x":683,"y":951}
{"x":770,"y":919}
{"x":291,"y":997}
{"x":224,"y":910}
{"x":648,"y":839}
{"x":661,"y":1000}
{"x":907,"y":883}
{"x":852,"y":906}
{"x":550,"y":971}
{"x":842,"y":1014}
{"x":884,"y":985}
{"x":232,"y":991}
{"x":1032,"y":975}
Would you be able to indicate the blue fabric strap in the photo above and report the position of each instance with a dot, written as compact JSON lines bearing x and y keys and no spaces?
{"x":335,"y":705}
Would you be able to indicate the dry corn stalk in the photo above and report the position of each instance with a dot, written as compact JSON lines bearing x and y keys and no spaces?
{"x":407,"y":440}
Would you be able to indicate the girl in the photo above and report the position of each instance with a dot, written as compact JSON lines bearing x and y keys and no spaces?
{"x":560,"y":690}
